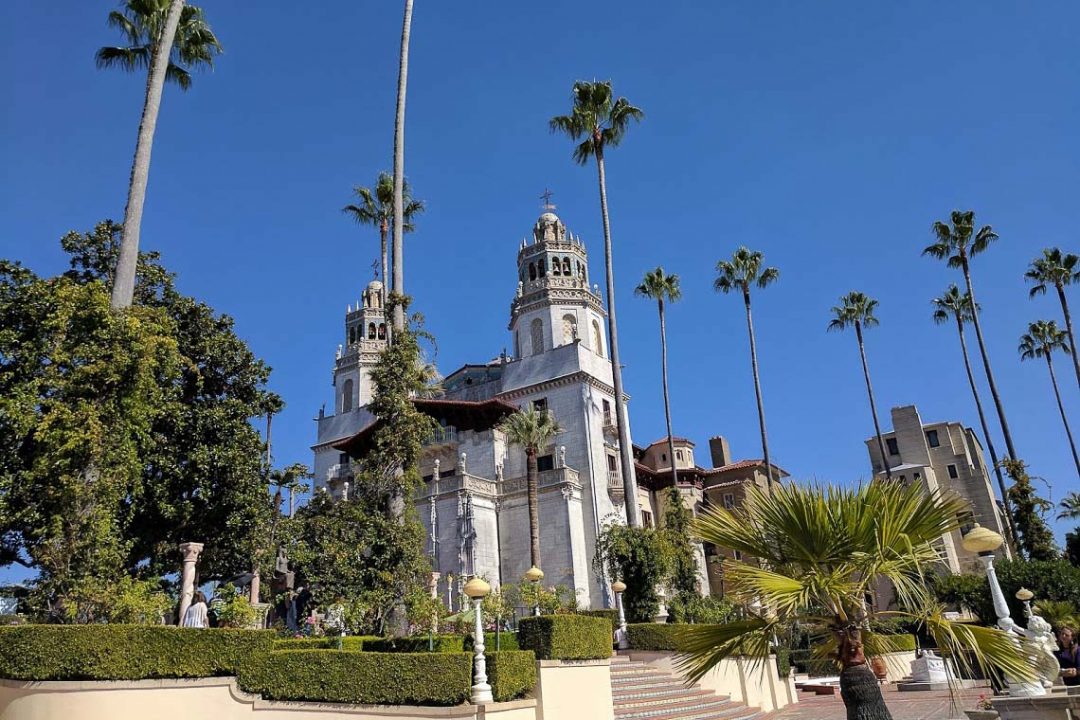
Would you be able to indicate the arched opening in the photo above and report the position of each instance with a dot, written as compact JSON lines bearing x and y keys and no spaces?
{"x":537,"y":331}
{"x":371,"y":331}
{"x":556,"y":269}
{"x":532,"y":271}
{"x":581,"y":271}
{"x":541,"y":267}
{"x":347,"y":396}
{"x":352,"y":335}
{"x":597,"y":339}
{"x":566,"y":266}
{"x":569,"y":325}
{"x":382,"y":331}
{"x":517,"y":343}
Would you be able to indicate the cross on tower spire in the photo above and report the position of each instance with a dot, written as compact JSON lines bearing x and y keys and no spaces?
{"x":546,"y":197}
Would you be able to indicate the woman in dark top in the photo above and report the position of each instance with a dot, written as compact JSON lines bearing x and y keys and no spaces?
{"x":1068,"y":656}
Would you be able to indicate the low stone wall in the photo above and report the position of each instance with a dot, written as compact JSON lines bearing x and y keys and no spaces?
{"x":216,"y":698}
{"x":899,"y":665}
{"x":572,"y":690}
{"x":753,"y":684}
{"x":1059,"y":704}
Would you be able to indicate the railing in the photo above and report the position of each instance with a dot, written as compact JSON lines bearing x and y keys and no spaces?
{"x":442,"y":436}
{"x":341,"y":471}
{"x":614,"y":482}
{"x":609,"y":422}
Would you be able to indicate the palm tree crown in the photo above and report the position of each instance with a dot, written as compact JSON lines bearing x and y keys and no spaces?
{"x":598,"y":120}
{"x":743,"y":270}
{"x":142,"y":22}
{"x":1070,"y":507}
{"x":657,"y":285}
{"x":376,"y":207}
{"x":530,"y":429}
{"x":953,"y":305}
{"x":959,"y":242}
{"x":1054,"y":269}
{"x":1042,"y":339}
{"x":855,"y":308}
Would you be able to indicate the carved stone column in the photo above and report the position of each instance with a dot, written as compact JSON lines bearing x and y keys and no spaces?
{"x":190,"y":552}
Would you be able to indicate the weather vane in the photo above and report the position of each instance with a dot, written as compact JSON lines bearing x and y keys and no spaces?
{"x":546,"y":197}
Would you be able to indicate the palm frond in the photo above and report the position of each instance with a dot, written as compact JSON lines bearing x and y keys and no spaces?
{"x":702,"y":647}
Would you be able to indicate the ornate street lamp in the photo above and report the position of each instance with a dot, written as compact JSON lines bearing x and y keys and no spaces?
{"x":535,"y":575}
{"x":619,"y":587}
{"x":477,"y":590}
{"x":1024,"y":595}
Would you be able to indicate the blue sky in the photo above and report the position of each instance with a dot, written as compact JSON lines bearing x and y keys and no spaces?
{"x":829,"y":135}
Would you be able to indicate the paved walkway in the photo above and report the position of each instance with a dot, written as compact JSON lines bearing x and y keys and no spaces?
{"x":929,"y":705}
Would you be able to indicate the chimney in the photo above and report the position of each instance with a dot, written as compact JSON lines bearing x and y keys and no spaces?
{"x":720,"y":451}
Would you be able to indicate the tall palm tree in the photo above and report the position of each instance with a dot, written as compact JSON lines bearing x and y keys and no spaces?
{"x":376,"y":208}
{"x":398,"y":285}
{"x":857,"y":310}
{"x":954,"y":305}
{"x":1042,"y":340}
{"x":533,"y":431}
{"x":1057,"y":269}
{"x":1070,"y":507}
{"x":739,"y":274}
{"x":599,"y":120}
{"x":819,"y":551}
{"x":166,"y":38}
{"x":956,"y":245}
{"x":662,"y":287}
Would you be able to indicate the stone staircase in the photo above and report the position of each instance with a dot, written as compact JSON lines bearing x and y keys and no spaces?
{"x":640,"y":692}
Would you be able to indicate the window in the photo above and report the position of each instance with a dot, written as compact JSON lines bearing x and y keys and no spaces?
{"x":371,"y":331}
{"x":678,"y":455}
{"x":738,"y":555}
{"x":545,"y":462}
{"x":966,"y":520}
{"x":382,"y":331}
{"x":556,"y":268}
{"x":607,"y":412}
{"x":566,"y":266}
{"x":517,"y":343}
{"x":952,"y":471}
{"x":612,"y":463}
{"x":541,"y":267}
{"x":537,"y":330}
{"x":890,"y":443}
{"x":347,"y":396}
{"x":532,"y":271}
{"x":932,"y":438}
{"x":729,"y":500}
{"x":343,"y":458}
{"x":646,"y":518}
{"x":569,"y":329}
{"x":663,"y":457}
{"x":597,"y":341}
{"x":540,"y":405}
{"x":352,"y":335}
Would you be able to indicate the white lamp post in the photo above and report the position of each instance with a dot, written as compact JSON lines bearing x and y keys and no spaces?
{"x":1024,"y":595}
{"x":984,"y":542}
{"x":619,"y":587}
{"x":535,"y":575}
{"x":477,"y":590}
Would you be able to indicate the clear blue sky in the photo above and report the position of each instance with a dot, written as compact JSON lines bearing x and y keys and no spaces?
{"x":828,"y":135}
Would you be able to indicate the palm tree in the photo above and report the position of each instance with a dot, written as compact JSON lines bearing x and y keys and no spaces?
{"x":533,"y":431}
{"x":957,"y":244}
{"x":662,"y":287}
{"x":1041,"y":340}
{"x":957,"y":306}
{"x":167,"y":39}
{"x":821,"y":551}
{"x":743,"y":270}
{"x":857,"y":310}
{"x":398,"y":286}
{"x":598,"y":120}
{"x":1070,"y":507}
{"x":1057,"y":269}
{"x":376,"y":208}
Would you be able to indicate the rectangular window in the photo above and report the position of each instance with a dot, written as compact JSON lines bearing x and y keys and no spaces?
{"x":729,"y":500}
{"x":932,"y":438}
{"x":545,"y":462}
{"x":738,"y":555}
{"x":540,"y":405}
{"x":678,"y":455}
{"x":343,"y":458}
{"x":952,"y":472}
{"x":612,"y":463}
{"x":608,"y":420}
{"x":646,"y":518}
{"x":890,"y":443}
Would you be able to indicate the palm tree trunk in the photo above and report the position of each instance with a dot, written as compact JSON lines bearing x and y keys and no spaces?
{"x":383,"y":230}
{"x":626,"y":462}
{"x":986,"y":436}
{"x":1069,"y":329}
{"x":667,"y":399}
{"x":123,"y":290}
{"x":757,"y":391}
{"x":1061,"y":409}
{"x":255,"y":570}
{"x":873,"y":405}
{"x":986,"y":364}
{"x":861,"y":693}
{"x":399,"y":165}
{"x":531,"y":474}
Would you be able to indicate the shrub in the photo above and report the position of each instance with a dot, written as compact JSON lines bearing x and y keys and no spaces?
{"x":813,"y":666}
{"x":301,"y":644}
{"x":231,"y":609}
{"x":639,"y":558}
{"x":125,"y":652}
{"x":565,"y":637}
{"x":1048,"y":579}
{"x":360,"y":677}
{"x":356,"y":643}
{"x":783,"y":661}
{"x":507,"y":641}
{"x":511,"y":673}
{"x":654,"y":636}
{"x":702,"y":610}
{"x":897,"y":643}
{"x":417,"y":644}
{"x":611,"y":614}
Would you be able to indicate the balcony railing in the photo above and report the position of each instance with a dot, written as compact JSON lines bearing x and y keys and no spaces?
{"x":442,"y":436}
{"x":339,"y":472}
{"x":614,"y":482}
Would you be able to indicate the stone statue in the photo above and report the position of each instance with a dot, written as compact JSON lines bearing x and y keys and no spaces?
{"x":281,"y":564}
{"x":1039,"y":645}
{"x":562,"y":456}
{"x":520,"y":284}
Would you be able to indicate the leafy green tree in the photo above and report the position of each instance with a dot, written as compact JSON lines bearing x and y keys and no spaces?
{"x":1036,"y":540}
{"x":1042,"y":340}
{"x":638,"y":557}
{"x":376,"y":208}
{"x":398,"y":284}
{"x":166,"y":39}
{"x":1072,"y":547}
{"x":956,"y":306}
{"x":739,"y":274}
{"x":1050,"y":580}
{"x":682,"y":560}
{"x":822,"y":550}
{"x":857,"y":310}
{"x":957,"y":244}
{"x":661,"y":287}
{"x":599,"y":121}
{"x":533,"y":431}
{"x":1057,"y":269}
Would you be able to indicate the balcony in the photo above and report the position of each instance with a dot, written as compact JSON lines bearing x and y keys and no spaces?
{"x":614,"y":482}
{"x":610,"y":426}
{"x":442,"y":436}
{"x":339,"y":473}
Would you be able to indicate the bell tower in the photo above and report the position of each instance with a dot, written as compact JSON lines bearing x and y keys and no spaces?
{"x":365,"y":339}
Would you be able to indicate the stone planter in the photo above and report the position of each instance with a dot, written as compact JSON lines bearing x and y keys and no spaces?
{"x":981,"y":714}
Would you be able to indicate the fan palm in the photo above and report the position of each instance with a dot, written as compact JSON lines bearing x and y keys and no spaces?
{"x":376,"y":208}
{"x":857,"y":310}
{"x":1057,"y":269}
{"x":662,"y":287}
{"x":167,"y":39}
{"x":1042,"y":340}
{"x":1070,"y":507}
{"x":954,"y":305}
{"x":822,"y":550}
{"x":956,"y":244}
{"x":532,"y":430}
{"x":598,"y":120}
{"x":739,"y":274}
{"x":398,"y":286}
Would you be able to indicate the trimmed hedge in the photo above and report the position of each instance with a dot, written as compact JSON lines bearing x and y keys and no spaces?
{"x":125,"y":652}
{"x":511,"y":673}
{"x":783,"y":661}
{"x":507,"y":641}
{"x":416,"y":644}
{"x":361,"y":677}
{"x":301,"y":644}
{"x":654,"y":636}
{"x":565,"y":637}
{"x":611,"y":614}
{"x":899,"y":643}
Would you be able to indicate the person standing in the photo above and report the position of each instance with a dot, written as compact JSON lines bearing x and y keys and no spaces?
{"x":1068,"y":656}
{"x":196,"y":616}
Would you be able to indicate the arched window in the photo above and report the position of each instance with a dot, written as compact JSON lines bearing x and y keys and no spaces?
{"x":352,"y":335}
{"x":581,"y":271}
{"x":371,"y":331}
{"x":569,"y":329}
{"x":532,"y":271}
{"x":566,"y":266}
{"x":382,"y":331}
{"x":517,"y":343}
{"x":541,"y":267}
{"x":556,"y":268}
{"x":597,"y":339}
{"x":347,"y":396}
{"x":537,"y":329}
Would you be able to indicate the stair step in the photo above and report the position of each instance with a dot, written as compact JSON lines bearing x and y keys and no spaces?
{"x":701,"y":707}
{"x":643,"y":679}
{"x":737,"y":713}
{"x":663,"y":699}
{"x":655,"y":691}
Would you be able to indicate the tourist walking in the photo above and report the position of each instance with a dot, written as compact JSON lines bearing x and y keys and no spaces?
{"x":1068,"y":656}
{"x":196,"y":614}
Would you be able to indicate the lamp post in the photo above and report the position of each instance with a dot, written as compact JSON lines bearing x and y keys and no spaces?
{"x":984,"y":542}
{"x":477,"y":590}
{"x":619,"y":587}
{"x":535,"y":575}
{"x":1024,"y":595}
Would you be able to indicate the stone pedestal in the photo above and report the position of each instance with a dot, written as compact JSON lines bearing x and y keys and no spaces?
{"x":930,"y":668}
{"x":190,"y":553}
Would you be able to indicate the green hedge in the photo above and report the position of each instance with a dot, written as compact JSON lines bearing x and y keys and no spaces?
{"x":511,"y":673}
{"x":805,"y":662}
{"x":565,"y":637}
{"x":783,"y":661}
{"x":899,"y":643}
{"x":360,"y":677}
{"x":507,"y":641}
{"x":417,"y":644}
{"x":654,"y":636}
{"x":352,"y":643}
{"x":611,"y":614}
{"x":125,"y":652}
